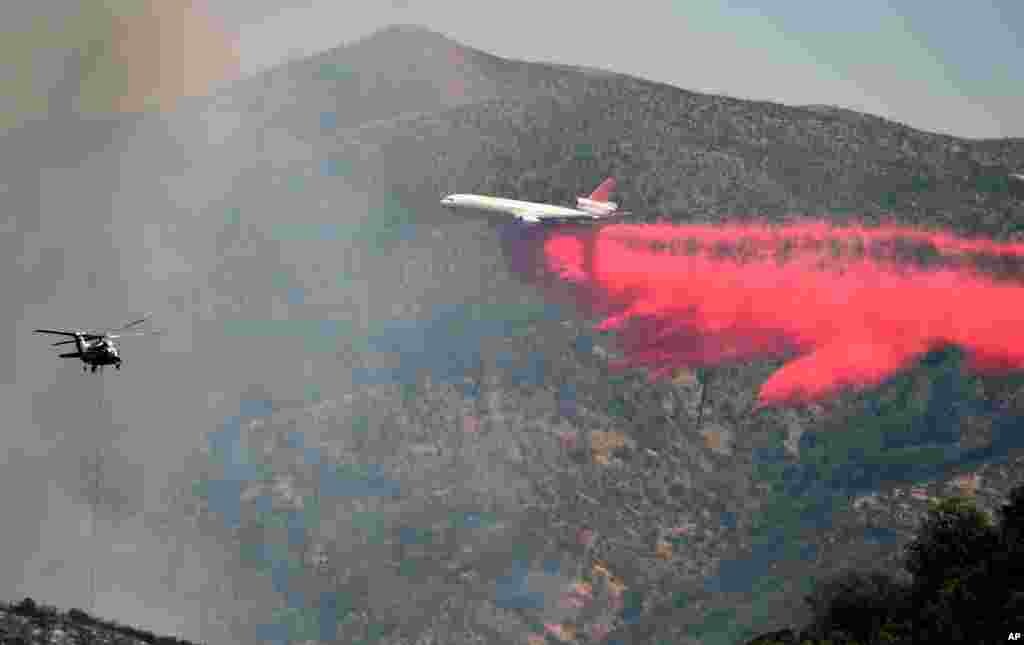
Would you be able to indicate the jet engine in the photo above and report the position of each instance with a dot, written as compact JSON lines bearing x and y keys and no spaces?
{"x":596,"y":208}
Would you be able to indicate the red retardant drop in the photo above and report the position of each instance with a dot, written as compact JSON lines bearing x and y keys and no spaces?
{"x":846,"y":307}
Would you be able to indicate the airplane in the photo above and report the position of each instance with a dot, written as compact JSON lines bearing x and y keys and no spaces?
{"x":96,"y":349}
{"x":595,"y":206}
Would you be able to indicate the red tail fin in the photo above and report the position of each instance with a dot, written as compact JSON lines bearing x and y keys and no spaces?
{"x":603,"y":192}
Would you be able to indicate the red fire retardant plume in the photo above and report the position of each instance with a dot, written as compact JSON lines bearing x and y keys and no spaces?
{"x":847,"y":307}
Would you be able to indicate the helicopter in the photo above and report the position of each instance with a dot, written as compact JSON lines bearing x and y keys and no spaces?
{"x":96,"y":348}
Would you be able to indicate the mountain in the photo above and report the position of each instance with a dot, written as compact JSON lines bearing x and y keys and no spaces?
{"x":397,"y":70}
{"x":415,"y":108}
{"x":303,"y":201}
{"x":547,"y":132}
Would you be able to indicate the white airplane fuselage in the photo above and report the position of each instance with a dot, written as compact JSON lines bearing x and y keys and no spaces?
{"x":514,"y":207}
{"x":595,"y":206}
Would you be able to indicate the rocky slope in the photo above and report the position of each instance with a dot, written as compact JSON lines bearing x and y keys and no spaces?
{"x":27,"y":623}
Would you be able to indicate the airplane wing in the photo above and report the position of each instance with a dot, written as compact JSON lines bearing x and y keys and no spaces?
{"x":527,"y":214}
{"x":548,"y":218}
{"x":537,"y":215}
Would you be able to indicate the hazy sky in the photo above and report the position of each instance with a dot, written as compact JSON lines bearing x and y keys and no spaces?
{"x":955,"y":69}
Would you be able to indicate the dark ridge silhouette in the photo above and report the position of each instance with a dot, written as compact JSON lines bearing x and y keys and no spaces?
{"x":31,"y":623}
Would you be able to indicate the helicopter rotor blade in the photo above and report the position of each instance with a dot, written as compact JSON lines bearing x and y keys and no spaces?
{"x":63,"y":342}
{"x":133,"y":323}
{"x":58,"y":332}
{"x":137,"y":333}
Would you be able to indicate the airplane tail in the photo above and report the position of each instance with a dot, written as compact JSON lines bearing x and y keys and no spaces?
{"x":603,"y":191}
{"x":597,"y":203}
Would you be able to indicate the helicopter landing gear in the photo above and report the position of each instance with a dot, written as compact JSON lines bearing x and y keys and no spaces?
{"x":117,"y":366}
{"x":93,"y":369}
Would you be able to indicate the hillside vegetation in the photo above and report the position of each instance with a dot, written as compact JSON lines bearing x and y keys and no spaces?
{"x":672,"y":482}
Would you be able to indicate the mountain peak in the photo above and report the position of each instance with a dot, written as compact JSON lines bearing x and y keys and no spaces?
{"x":404,"y":32}
{"x":406,"y":28}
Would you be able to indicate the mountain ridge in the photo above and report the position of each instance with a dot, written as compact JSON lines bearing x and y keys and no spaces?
{"x":402,"y":36}
{"x":797,"y":147}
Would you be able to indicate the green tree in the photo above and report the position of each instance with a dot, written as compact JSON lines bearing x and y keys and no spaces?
{"x":855,"y":606}
{"x":1011,"y":517}
{"x":954,"y":538}
{"x":950,"y":561}
{"x":1005,"y":574}
{"x":967,"y":586}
